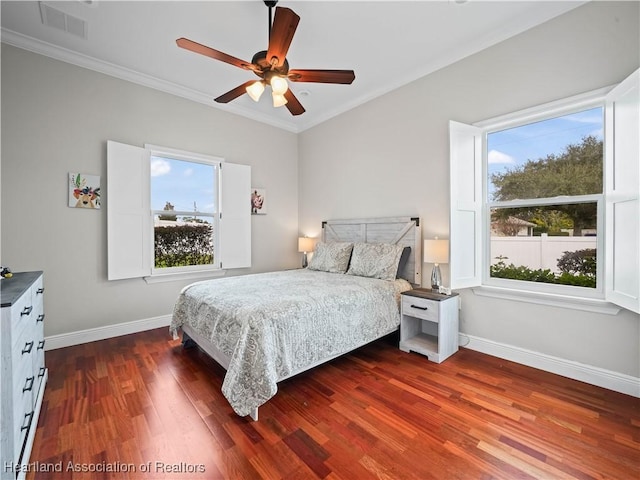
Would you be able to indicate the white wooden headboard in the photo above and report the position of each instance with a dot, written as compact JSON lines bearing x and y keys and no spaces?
{"x":405,"y":231}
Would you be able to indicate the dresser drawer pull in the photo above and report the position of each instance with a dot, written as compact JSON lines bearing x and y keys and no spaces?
{"x":26,"y":311}
{"x":40,"y":290}
{"x":419,"y":308}
{"x":40,"y":318}
{"x":27,"y":422}
{"x":41,"y":372}
{"x":27,"y":347}
{"x":40,"y":345}
{"x":28,"y":385}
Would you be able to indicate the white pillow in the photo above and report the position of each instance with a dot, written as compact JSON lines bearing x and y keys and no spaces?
{"x":375,"y":260}
{"x":331,"y":257}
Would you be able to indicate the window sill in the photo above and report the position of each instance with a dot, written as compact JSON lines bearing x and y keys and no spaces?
{"x":562,"y":301}
{"x":179,"y":276}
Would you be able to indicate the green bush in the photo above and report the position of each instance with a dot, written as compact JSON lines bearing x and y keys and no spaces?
{"x":580,"y":262}
{"x":502,"y":270}
{"x":183,"y":245}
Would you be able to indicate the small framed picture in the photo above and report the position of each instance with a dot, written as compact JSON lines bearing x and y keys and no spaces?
{"x":258,"y":201}
{"x":84,"y":191}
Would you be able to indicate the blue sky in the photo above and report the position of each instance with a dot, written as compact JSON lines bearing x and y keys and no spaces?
{"x":513,"y":147}
{"x":182,"y":183}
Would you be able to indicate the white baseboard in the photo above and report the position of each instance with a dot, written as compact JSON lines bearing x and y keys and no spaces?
{"x":101,"y":333}
{"x":618,"y":382}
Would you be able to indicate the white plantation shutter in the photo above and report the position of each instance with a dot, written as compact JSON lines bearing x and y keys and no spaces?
{"x":622,"y":185}
{"x":465,"y":237}
{"x":128,"y":212}
{"x":235,"y":221}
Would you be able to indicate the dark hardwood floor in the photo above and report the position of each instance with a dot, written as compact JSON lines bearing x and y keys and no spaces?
{"x":142,"y":407}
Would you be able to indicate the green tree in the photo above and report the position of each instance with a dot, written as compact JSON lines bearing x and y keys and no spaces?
{"x":576,"y":171}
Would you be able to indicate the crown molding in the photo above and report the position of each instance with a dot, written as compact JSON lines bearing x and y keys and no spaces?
{"x":68,"y":56}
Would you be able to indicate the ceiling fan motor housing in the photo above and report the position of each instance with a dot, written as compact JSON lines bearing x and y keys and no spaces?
{"x":260,"y":59}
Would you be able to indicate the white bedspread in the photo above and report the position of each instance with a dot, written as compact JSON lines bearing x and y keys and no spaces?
{"x":273,"y":324}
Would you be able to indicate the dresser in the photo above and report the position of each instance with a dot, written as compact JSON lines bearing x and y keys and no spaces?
{"x":23,"y":374}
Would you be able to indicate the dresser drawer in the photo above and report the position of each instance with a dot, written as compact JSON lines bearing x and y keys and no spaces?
{"x":24,"y":351}
{"x":420,"y":308}
{"x":22,"y":315}
{"x":37,"y":293}
{"x":23,"y":397}
{"x":23,"y":401}
{"x":22,"y":370}
{"x":38,"y":362}
{"x":23,"y":421}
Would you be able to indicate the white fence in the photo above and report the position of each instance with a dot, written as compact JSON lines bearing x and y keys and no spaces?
{"x":537,"y":252}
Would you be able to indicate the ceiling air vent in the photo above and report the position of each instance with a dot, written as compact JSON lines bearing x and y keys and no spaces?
{"x":55,"y":18}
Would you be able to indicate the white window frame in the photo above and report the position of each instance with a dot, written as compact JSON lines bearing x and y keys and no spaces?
{"x":469,"y":222}
{"x":130,"y":218}
{"x":216,"y":162}
{"x":518,"y":119}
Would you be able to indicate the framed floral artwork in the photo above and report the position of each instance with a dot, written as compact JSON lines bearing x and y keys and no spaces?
{"x":84,"y":191}
{"x":258,"y":201}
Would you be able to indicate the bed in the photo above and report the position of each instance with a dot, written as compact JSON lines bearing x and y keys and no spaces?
{"x":264,"y":328}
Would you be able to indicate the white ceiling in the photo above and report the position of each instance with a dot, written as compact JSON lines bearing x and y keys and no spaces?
{"x":387,"y":44}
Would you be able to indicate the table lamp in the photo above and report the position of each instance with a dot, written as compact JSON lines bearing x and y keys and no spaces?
{"x":305,"y":244}
{"x":436,"y":251}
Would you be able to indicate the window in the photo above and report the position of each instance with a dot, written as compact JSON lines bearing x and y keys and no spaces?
{"x":544,"y":184}
{"x":171,"y":211}
{"x":185,"y":212}
{"x":537,"y":207}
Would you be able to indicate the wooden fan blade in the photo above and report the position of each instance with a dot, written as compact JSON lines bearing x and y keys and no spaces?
{"x":322,"y":76}
{"x":293,"y":105}
{"x":235,"y":93}
{"x":284,"y":27}
{"x":215,"y":54}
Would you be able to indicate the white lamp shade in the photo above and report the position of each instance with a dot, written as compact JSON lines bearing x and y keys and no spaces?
{"x":306,"y":244}
{"x":255,"y":90}
{"x":279,"y":85}
{"x":436,"y":251}
{"x":278,"y":100}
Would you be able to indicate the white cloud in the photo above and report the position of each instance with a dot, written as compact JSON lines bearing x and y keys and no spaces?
{"x":498,"y":157}
{"x":188,"y":172}
{"x":159,"y":167}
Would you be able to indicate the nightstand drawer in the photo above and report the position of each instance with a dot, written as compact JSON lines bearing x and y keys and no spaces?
{"x":420,"y":308}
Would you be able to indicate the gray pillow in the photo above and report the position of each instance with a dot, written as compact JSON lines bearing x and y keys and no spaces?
{"x":404,"y":258}
{"x":331,"y":257}
{"x":375,"y":260}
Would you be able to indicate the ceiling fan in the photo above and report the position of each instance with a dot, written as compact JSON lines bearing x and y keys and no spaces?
{"x":271,"y":65}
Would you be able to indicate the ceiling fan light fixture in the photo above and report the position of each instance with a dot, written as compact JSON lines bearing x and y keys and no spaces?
{"x":279,"y":85}
{"x":278,"y":100}
{"x":255,"y":90}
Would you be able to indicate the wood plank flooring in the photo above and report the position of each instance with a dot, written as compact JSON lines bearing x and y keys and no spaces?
{"x":142,"y":407}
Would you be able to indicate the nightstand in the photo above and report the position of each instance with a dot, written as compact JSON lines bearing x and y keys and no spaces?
{"x":429,"y":324}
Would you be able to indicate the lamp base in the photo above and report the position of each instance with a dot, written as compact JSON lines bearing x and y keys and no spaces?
{"x":305,"y":264}
{"x":436,"y":278}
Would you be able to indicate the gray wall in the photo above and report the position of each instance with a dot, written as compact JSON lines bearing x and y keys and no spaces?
{"x":56,"y":119}
{"x":391,"y":157}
